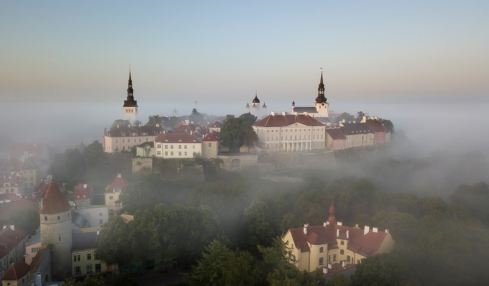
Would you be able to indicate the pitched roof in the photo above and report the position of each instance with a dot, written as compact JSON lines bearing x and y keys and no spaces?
{"x":209,"y":137}
{"x":17,"y":271}
{"x":83,"y":189}
{"x":336,"y":134}
{"x":55,"y":202}
{"x":285,"y":120}
{"x":375,"y":125}
{"x":37,"y":260}
{"x":177,"y":138}
{"x":123,"y":130}
{"x":305,"y":109}
{"x":119,"y":182}
{"x":356,"y":128}
{"x":20,"y":149}
{"x":217,"y":124}
{"x":11,"y":202}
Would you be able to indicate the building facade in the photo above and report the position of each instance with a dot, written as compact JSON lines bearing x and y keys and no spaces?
{"x":11,"y":184}
{"x":83,"y":261}
{"x":96,"y":215}
{"x":83,"y":195}
{"x":335,"y":139}
{"x":177,"y":145}
{"x":210,"y":146}
{"x":112,"y":193}
{"x":324,"y":245}
{"x":289,"y":133}
{"x":13,"y":241}
{"x":123,"y":137}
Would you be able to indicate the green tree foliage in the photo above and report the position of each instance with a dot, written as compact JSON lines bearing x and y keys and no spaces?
{"x":475,"y":198}
{"x":359,"y":118}
{"x":144,"y":235}
{"x":68,"y":165}
{"x":257,"y":227}
{"x":196,"y":117}
{"x":94,"y":155}
{"x":125,"y":280}
{"x":153,"y":120}
{"x":232,"y":132}
{"x":210,"y":270}
{"x":249,"y":118}
{"x":346,"y":116}
{"x":388,"y":124}
{"x":95,"y":280}
{"x":26,"y":219}
{"x":144,"y":194}
{"x":250,"y":138}
{"x":337,"y":279}
{"x":114,"y":245}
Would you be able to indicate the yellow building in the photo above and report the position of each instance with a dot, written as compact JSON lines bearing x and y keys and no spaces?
{"x":17,"y":275}
{"x":112,"y":194}
{"x":323,"y":246}
{"x":83,"y":260}
{"x":210,"y":145}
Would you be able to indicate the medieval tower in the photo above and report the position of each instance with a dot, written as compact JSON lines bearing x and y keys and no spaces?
{"x":56,"y":230}
{"x":130,"y":105}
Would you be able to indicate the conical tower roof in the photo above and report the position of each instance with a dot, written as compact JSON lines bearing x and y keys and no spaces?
{"x":55,"y":202}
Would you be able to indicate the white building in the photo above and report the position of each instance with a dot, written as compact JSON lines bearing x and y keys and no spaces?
{"x":96,"y":215}
{"x":124,"y":137}
{"x":320,"y":109}
{"x":177,"y":145}
{"x":288,"y":133}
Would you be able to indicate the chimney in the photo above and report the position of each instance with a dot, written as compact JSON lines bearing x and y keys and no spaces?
{"x":12,"y":227}
{"x":325,"y":223}
{"x":4,"y":227}
{"x":283,"y":113}
{"x":356,"y":225}
{"x":273,"y":113}
{"x":337,"y":232}
{"x":339,"y":223}
{"x":374,"y":229}
{"x":386,"y":230}
{"x":347,"y":233}
{"x":305,"y":228}
{"x":119,"y":175}
{"x":366,"y":230}
{"x":343,"y":263}
{"x":157,"y":125}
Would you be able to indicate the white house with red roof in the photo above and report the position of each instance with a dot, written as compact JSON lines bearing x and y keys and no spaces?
{"x":11,"y":184}
{"x":324,"y":246}
{"x":215,"y":127}
{"x":289,"y":133}
{"x":210,"y":146}
{"x":177,"y":145}
{"x":83,"y":195}
{"x":335,"y":139}
{"x":112,"y":194}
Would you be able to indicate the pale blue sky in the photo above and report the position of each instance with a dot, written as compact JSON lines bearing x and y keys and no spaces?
{"x":218,"y":51}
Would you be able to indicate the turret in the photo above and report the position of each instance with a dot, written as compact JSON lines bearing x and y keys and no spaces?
{"x":321,"y":98}
{"x":130,"y":105}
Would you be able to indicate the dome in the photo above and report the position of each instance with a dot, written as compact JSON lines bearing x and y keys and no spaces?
{"x":256,"y":100}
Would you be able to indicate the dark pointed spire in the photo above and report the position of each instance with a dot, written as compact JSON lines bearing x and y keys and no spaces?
{"x":321,"y":98}
{"x":130,"y":96}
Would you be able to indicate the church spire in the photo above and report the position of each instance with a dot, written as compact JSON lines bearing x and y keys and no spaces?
{"x":130,"y":96}
{"x":321,"y":98}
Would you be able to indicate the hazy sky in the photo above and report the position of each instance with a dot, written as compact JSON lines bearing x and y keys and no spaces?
{"x":215,"y":51}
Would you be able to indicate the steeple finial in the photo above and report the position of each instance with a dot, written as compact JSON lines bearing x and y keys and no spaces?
{"x":321,"y":98}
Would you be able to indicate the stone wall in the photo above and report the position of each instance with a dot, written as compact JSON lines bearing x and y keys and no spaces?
{"x":141,"y":165}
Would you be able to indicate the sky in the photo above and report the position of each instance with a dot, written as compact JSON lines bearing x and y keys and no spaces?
{"x":218,"y":52}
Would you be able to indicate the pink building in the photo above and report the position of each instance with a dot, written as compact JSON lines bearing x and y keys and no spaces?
{"x":378,"y":129}
{"x":335,"y":139}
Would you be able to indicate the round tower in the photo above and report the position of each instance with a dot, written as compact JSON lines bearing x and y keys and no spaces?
{"x":56,"y":230}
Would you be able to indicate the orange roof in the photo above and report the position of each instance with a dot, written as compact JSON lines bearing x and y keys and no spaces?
{"x":285,"y":120}
{"x":17,"y":271}
{"x":119,"y":182}
{"x":209,"y":137}
{"x":55,"y":202}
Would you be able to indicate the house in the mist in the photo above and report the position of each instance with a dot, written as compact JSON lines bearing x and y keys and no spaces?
{"x":335,"y":139}
{"x":112,"y":193}
{"x":320,"y":109}
{"x":13,"y":241}
{"x":177,"y":145}
{"x":83,"y":253}
{"x":83,"y":194}
{"x":289,"y":133}
{"x":146,"y":149}
{"x":210,"y":146}
{"x":377,"y":128}
{"x":357,"y":134}
{"x":122,"y":137}
{"x":333,"y":245}
{"x":11,"y":184}
{"x":215,"y":127}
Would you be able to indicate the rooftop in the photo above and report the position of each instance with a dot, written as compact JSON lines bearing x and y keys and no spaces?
{"x":280,"y":120}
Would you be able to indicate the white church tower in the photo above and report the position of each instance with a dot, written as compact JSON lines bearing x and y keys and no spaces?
{"x":56,"y":230}
{"x":130,"y":105}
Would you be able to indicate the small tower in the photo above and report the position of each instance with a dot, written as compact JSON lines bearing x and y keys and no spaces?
{"x":264,"y":108}
{"x":256,"y":102}
{"x":321,"y":104}
{"x":247,"y":107}
{"x":130,"y":105}
{"x":55,"y":215}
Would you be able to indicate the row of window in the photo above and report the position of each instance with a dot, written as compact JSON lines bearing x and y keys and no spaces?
{"x":171,"y":153}
{"x":294,"y":130}
{"x":158,"y":146}
{"x":59,"y":217}
{"x":129,"y":140}
{"x":295,"y":137}
{"x":98,"y":268}
{"x":78,"y":258}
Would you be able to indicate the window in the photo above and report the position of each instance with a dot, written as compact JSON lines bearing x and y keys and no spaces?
{"x":89,"y":256}
{"x":98,"y":267}
{"x":117,"y":204}
{"x":122,"y":140}
{"x":321,"y":250}
{"x":116,"y":141}
{"x":342,"y":242}
{"x":78,"y":257}
{"x":358,"y":261}
{"x":185,"y":153}
{"x":89,"y":268}
{"x":193,"y":147}
{"x":166,"y":153}
{"x":101,"y":222}
{"x":184,"y":146}
{"x":171,"y":146}
{"x":348,"y":258}
{"x":179,"y":146}
{"x":321,"y":261}
{"x":209,"y":151}
{"x":58,"y":217}
{"x":77,"y":270}
{"x":111,"y":197}
{"x":59,"y":238}
{"x":179,"y":153}
{"x":334,"y":257}
{"x":158,"y":153}
{"x":209,"y":144}
{"x":158,"y":146}
{"x":342,"y":252}
{"x":74,"y":258}
{"x":172,"y":153}
{"x":45,"y":218}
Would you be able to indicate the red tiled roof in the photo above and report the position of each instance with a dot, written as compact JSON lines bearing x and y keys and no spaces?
{"x":18,"y":150}
{"x":10,"y":239}
{"x":16,"y":203}
{"x":355,"y":128}
{"x":17,"y":271}
{"x":216,"y":124}
{"x":358,"y":242}
{"x":55,"y":202}
{"x":27,"y":165}
{"x":209,"y":137}
{"x":177,"y":138}
{"x":375,"y":125}
{"x":83,"y":189}
{"x":12,"y":180}
{"x":336,"y":134}
{"x":119,"y":182}
{"x":285,"y":120}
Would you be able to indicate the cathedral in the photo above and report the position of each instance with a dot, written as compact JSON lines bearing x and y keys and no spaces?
{"x":130,"y":105}
{"x":320,"y":109}
{"x":255,"y":107}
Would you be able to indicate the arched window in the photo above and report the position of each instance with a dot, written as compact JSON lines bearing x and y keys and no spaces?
{"x":321,"y":261}
{"x":321,"y":250}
